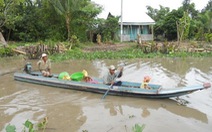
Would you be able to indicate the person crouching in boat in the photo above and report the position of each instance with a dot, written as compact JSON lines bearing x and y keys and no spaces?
{"x":110,"y":77}
{"x":44,"y":65}
{"x":87,"y":78}
{"x":146,"y":82}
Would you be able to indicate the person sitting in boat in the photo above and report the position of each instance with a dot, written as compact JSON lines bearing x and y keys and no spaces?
{"x":44,"y":65}
{"x":87,"y":78}
{"x":146,"y":82}
{"x":110,"y":77}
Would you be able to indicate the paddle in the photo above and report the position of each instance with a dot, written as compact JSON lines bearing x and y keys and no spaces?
{"x":111,"y":86}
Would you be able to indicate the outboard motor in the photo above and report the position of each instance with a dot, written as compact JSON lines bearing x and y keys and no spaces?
{"x":28,"y":68}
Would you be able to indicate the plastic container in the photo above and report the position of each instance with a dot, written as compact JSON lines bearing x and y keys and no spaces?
{"x":78,"y":76}
{"x":63,"y":74}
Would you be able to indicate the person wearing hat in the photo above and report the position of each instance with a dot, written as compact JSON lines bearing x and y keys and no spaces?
{"x":113,"y":73}
{"x":44,"y":65}
{"x":87,"y":78}
{"x":146,"y":82}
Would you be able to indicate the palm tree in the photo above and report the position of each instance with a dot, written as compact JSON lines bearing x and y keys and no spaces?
{"x":66,"y":8}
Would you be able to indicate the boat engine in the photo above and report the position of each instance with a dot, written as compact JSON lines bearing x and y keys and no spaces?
{"x":28,"y":68}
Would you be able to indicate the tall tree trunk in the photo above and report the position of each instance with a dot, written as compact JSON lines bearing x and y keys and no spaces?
{"x":8,"y":36}
{"x":68,"y":27}
{"x":91,"y":35}
{"x":2,"y":40}
{"x":178,"y":34}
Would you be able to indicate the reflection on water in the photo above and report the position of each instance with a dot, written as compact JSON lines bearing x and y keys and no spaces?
{"x":115,"y":113}
{"x":69,"y":110}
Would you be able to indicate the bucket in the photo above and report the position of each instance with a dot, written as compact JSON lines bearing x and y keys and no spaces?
{"x":77,"y":76}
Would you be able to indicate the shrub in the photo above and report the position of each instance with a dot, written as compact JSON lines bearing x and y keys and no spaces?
{"x":6,"y":51}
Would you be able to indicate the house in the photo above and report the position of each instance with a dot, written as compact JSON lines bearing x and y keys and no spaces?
{"x":134,"y":19}
{"x":135,"y":24}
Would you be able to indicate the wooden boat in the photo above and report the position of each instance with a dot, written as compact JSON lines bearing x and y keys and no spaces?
{"x":130,"y":89}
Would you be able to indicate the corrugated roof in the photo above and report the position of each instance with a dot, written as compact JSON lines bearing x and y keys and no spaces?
{"x":136,"y":18}
{"x":130,"y":17}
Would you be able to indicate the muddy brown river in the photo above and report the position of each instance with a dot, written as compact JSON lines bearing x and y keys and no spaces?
{"x":77,"y":111}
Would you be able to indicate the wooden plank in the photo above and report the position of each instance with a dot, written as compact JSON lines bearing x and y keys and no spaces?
{"x":18,"y":51}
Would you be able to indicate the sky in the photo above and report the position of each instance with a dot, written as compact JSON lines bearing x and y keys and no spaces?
{"x":114,"y":6}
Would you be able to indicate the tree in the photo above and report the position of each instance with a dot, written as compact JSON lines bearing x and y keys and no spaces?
{"x":31,"y":27}
{"x":183,"y":26}
{"x":207,"y":16}
{"x":8,"y":14}
{"x":203,"y":24}
{"x":66,"y":8}
{"x":111,"y":27}
{"x":189,"y":7}
{"x":87,"y":22}
{"x":169,"y":25}
{"x":159,"y":17}
{"x":156,"y":14}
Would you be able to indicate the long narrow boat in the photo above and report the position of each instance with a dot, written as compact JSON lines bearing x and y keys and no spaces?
{"x":129,"y":89}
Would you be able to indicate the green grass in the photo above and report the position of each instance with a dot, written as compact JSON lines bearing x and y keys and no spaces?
{"x":131,"y":52}
{"x":128,"y":53}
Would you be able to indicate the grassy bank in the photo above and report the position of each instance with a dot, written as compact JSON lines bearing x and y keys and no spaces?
{"x":127,"y":53}
{"x":92,"y":51}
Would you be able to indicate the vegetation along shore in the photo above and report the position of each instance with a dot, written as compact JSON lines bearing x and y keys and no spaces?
{"x":79,"y":34}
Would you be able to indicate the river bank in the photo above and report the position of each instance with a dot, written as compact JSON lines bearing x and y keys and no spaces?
{"x":63,"y":51}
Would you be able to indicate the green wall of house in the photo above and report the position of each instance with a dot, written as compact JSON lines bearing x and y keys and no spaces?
{"x":133,"y":30}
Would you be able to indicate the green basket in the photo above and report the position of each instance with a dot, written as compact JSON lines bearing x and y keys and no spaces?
{"x":78,"y":76}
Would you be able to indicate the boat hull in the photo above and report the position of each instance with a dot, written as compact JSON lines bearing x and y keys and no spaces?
{"x":128,"y":89}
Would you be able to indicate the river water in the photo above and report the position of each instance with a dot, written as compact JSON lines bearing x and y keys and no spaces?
{"x":77,"y":111}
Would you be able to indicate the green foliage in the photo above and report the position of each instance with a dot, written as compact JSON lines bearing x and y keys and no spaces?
{"x":128,"y":53}
{"x":78,"y":14}
{"x":58,"y":20}
{"x":203,"y":25}
{"x":189,"y":7}
{"x":10,"y":128}
{"x":138,"y":128}
{"x":6,"y":51}
{"x":8,"y":14}
{"x":169,"y":24}
{"x":73,"y":43}
{"x":29,"y":125}
{"x":86,"y":24}
{"x":183,"y":26}
{"x":159,"y":17}
{"x":43,"y":124}
{"x":208,"y":37}
{"x":111,"y":27}
{"x":108,"y":28}
{"x":37,"y":20}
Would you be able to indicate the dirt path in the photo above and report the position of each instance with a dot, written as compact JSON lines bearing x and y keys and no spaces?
{"x":106,"y":47}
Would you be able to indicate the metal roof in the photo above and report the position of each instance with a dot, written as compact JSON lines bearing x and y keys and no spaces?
{"x":131,"y":17}
{"x":136,"y":18}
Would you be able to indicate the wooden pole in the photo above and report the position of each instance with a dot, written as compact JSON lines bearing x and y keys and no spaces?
{"x":152,"y":33}
{"x":121,"y":20}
